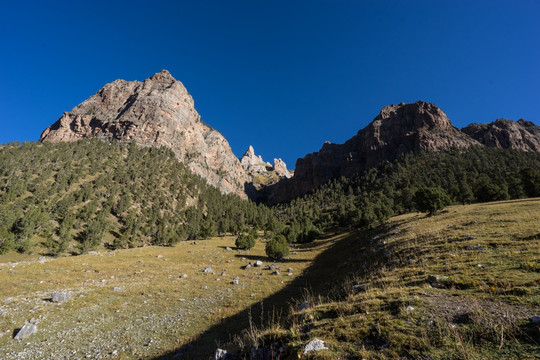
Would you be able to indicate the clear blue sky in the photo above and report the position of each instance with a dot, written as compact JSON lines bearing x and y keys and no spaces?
{"x":283,"y":76}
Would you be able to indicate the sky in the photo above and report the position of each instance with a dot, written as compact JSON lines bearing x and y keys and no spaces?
{"x":281,"y":75}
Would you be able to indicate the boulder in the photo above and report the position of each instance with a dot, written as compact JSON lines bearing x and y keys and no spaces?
{"x":27,"y":330}
{"x":315,"y":345}
{"x":221,"y":354}
{"x":58,"y":297}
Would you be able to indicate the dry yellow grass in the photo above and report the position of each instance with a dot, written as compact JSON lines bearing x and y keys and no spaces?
{"x":154,"y":311}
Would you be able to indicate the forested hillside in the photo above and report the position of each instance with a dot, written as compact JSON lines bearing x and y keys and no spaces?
{"x":117,"y":194}
{"x":75,"y":197}
{"x":478,"y":174}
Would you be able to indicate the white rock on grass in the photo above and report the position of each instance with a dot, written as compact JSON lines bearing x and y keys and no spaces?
{"x":58,"y":297}
{"x":221,"y":354}
{"x":27,"y":330}
{"x":258,"y":263}
{"x":315,"y":345}
{"x":207,"y":269}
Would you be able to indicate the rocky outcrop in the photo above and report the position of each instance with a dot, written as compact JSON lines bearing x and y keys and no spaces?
{"x":281,"y":168}
{"x":506,"y":134}
{"x":397,"y":129}
{"x":156,"y":112}
{"x":252,"y":163}
{"x":261,"y":172}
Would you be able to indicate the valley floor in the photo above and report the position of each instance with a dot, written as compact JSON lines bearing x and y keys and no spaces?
{"x":135,"y":303}
{"x":463,"y":284}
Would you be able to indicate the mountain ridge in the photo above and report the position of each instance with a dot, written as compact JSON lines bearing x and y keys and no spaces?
{"x":398,"y":129}
{"x":160,"y":112}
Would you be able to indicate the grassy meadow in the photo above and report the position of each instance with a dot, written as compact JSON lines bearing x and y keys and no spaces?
{"x":461,"y":284}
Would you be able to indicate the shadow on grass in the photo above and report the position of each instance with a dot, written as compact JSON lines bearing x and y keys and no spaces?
{"x":314,"y":281}
{"x":266,"y":259}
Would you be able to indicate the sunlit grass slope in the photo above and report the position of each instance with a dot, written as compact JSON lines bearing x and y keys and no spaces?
{"x":462,"y":284}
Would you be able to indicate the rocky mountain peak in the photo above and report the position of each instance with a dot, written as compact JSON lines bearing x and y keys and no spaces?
{"x":251,"y":162}
{"x":396,"y":130}
{"x":281,"y":168}
{"x":506,"y":134}
{"x":156,"y":112}
{"x":162,"y":76}
{"x":414,"y":116}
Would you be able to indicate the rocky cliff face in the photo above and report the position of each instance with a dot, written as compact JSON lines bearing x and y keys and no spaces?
{"x":156,"y":112}
{"x":396,"y":130}
{"x":506,"y":134}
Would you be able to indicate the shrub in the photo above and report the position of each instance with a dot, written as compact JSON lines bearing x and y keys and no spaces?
{"x":431,"y":200}
{"x":245,"y":242}
{"x":278,"y":247}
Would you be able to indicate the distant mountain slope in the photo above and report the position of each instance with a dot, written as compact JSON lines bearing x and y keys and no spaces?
{"x":156,"y":112}
{"x":398,"y":129}
{"x":506,"y":134}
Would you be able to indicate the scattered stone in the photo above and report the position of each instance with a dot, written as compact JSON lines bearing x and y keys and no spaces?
{"x":275,"y":272}
{"x":410,"y":308}
{"x":221,"y":354}
{"x":223,"y":273}
{"x":207,"y":270}
{"x":159,"y":256}
{"x":248,"y":266}
{"x":290,"y":274}
{"x":315,"y":345}
{"x":27,"y":330}
{"x":204,"y":287}
{"x":183,"y":276}
{"x":305,"y":305}
{"x":252,"y":295}
{"x":258,"y":263}
{"x":236,"y":281}
{"x":272,"y":267}
{"x":228,"y":249}
{"x":58,"y":297}
{"x":290,"y":270}
{"x":116,"y":288}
